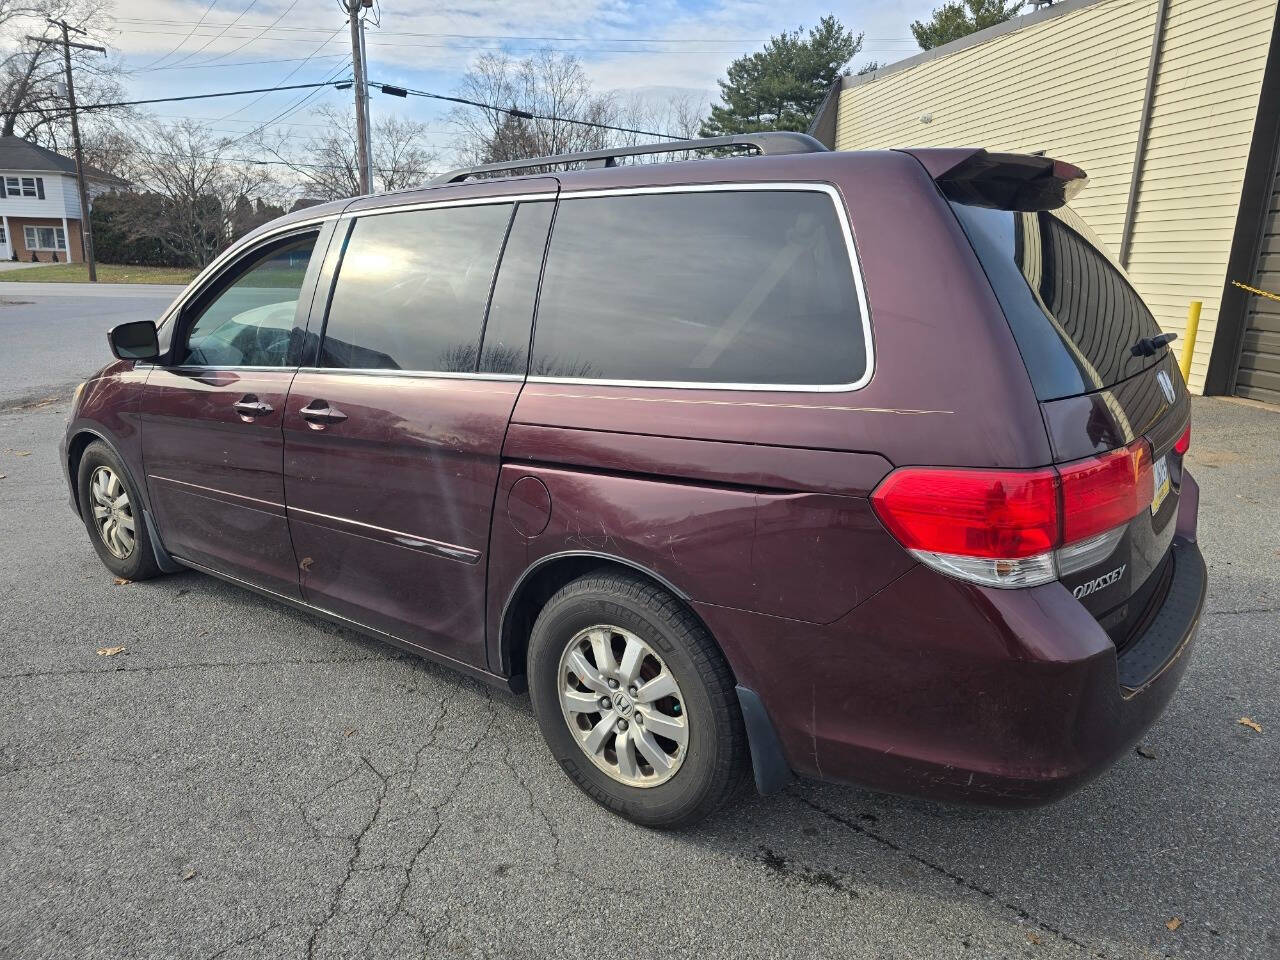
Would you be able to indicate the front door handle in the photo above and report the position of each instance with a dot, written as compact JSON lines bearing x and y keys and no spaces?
{"x":319,"y":413}
{"x":249,"y":406}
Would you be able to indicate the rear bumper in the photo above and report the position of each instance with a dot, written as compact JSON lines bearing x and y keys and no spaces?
{"x":937,"y":688}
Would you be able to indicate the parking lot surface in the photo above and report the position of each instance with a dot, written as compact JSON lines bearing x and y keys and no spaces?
{"x":244,"y":780}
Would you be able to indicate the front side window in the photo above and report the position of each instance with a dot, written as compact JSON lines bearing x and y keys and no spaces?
{"x":717,"y":287}
{"x":412,"y":288}
{"x":45,"y":238}
{"x":250,"y":322}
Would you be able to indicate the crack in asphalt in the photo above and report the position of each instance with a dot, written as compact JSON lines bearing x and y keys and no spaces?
{"x":1021,"y":912}
{"x":253,"y":938}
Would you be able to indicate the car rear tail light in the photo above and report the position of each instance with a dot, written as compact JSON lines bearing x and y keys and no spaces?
{"x":1016,"y":528}
{"x":1184,"y":442}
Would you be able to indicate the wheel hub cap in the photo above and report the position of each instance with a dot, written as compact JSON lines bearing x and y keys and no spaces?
{"x":112,"y":513}
{"x":623,"y":706}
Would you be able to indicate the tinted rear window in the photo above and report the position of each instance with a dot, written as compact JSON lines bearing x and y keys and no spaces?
{"x":1073,"y":312}
{"x":727,"y":287}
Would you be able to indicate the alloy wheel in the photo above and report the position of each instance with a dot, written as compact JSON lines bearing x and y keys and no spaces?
{"x":623,"y":706}
{"x":112,"y":513}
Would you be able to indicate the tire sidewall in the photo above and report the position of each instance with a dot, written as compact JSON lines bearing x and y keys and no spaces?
{"x":139,"y":564}
{"x":667,"y":803}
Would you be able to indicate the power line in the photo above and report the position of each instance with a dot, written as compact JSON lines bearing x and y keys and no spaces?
{"x":296,"y":105}
{"x":248,"y":63}
{"x":304,"y":62}
{"x":191,"y":34}
{"x":252,"y":39}
{"x":193,"y":96}
{"x":218,"y":36}
{"x":528,"y":37}
{"x":523,"y":114}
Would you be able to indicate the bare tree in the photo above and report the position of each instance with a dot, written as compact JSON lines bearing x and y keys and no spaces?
{"x":32,"y":100}
{"x":207,"y":196}
{"x":401,"y":155}
{"x":546,"y":84}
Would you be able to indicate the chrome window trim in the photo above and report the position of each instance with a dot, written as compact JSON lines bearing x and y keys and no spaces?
{"x":441,"y":204}
{"x":417,"y":374}
{"x":855,"y":268}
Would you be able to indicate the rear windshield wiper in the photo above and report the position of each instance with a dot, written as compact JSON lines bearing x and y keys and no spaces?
{"x":1149,"y":345}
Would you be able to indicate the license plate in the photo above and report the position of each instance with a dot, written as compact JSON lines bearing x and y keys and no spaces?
{"x":1161,"y":474}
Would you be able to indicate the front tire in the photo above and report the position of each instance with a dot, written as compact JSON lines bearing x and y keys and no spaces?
{"x":636,"y":701}
{"x":112,"y":512}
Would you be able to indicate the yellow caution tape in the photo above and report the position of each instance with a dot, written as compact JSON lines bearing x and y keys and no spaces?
{"x":1262,"y":293}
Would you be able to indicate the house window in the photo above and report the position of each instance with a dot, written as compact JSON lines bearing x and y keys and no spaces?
{"x":24,"y":186}
{"x":3,"y":239}
{"x":45,"y":238}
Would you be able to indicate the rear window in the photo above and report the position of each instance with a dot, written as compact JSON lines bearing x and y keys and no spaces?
{"x":1073,"y":313}
{"x":716,"y":287}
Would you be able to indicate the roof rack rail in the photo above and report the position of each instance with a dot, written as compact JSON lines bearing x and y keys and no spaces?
{"x":773,"y":143}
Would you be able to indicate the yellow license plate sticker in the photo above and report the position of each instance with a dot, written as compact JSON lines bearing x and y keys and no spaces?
{"x":1161,"y":476}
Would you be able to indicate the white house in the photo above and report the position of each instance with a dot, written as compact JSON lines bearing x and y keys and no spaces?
{"x":39,"y":203}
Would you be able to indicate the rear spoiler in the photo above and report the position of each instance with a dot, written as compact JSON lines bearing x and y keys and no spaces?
{"x":1006,"y":181}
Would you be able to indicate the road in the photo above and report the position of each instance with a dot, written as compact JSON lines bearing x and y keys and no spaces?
{"x":54,"y":334}
{"x":247,"y":781}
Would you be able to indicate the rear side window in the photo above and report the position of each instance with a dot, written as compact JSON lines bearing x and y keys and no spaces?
{"x":412,"y":288}
{"x":716,"y":287}
{"x":1073,"y":312}
{"x":507,"y":328}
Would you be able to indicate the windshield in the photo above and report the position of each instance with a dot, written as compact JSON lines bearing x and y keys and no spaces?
{"x":1074,"y":314}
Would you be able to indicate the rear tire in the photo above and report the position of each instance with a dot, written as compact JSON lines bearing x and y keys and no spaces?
{"x":619,"y":741}
{"x":112,"y":512}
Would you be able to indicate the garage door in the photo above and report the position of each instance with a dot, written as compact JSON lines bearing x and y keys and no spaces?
{"x":1258,"y":376}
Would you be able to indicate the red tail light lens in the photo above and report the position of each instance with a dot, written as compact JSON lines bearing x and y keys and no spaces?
{"x":1103,"y":492}
{"x":1000,"y":514}
{"x":1022,"y":517}
{"x":1184,"y":442}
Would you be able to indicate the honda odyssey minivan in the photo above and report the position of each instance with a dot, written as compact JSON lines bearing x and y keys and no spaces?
{"x":858,"y":466}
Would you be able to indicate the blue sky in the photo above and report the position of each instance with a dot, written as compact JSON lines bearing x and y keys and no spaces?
{"x":649,"y":49}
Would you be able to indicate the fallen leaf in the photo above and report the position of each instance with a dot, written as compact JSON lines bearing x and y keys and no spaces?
{"x":2,"y":477}
{"x":1033,"y":937}
{"x":121,"y":581}
{"x":306,"y":563}
{"x":1174,"y":923}
{"x":109,"y":651}
{"x":1251,"y":724}
{"x":1144,"y":751}
{"x":189,"y":873}
{"x":349,"y":732}
{"x":22,"y":453}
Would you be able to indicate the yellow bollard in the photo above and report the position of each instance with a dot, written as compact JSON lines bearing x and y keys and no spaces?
{"x":1189,"y":348}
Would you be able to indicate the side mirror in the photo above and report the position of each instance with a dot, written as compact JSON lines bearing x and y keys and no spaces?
{"x":135,"y":340}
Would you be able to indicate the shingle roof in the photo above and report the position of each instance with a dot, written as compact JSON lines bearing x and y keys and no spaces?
{"x":19,"y":154}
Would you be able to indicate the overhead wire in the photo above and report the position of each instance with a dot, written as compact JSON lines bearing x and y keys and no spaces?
{"x":207,"y":10}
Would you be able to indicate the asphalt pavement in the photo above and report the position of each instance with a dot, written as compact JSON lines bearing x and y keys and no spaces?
{"x":248,"y":781}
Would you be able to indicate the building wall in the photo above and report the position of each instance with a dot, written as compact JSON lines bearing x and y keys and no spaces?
{"x":18,"y":241}
{"x":54,"y":203}
{"x":1072,"y":85}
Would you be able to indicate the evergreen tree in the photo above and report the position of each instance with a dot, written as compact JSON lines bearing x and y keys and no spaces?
{"x":782,"y":86}
{"x":959,"y":18}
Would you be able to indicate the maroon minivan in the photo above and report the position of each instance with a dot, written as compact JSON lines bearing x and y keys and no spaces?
{"x":860,"y":466}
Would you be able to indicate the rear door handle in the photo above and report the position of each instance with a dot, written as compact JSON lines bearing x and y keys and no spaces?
{"x":250,"y":406}
{"x":319,"y":412}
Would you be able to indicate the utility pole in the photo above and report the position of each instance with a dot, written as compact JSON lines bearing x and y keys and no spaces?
{"x":86,"y":231}
{"x":362,"y":92}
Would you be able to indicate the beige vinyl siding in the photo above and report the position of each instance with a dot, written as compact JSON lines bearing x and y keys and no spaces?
{"x":1206,"y":101}
{"x":1072,"y":86}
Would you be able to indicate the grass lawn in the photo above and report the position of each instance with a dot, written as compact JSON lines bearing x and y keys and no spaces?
{"x":107,"y":273}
